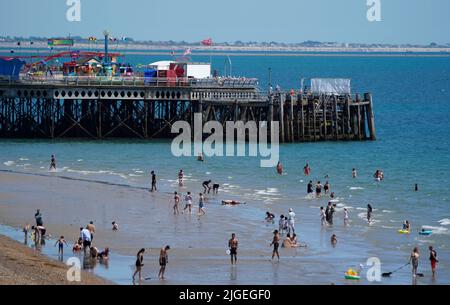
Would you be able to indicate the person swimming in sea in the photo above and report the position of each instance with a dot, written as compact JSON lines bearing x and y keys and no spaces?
{"x":52,"y":163}
{"x":279,"y":168}
{"x":309,"y":188}
{"x":354,"y":173}
{"x":306,"y":169}
{"x":270,"y":217}
{"x":406,"y":226}
{"x":333,"y":240}
{"x":115,"y":226}
{"x":318,"y":189}
{"x":326,"y":187}
{"x":200,"y":158}
{"x":369,"y":213}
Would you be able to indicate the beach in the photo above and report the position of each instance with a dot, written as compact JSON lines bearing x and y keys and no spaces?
{"x":20,"y":265}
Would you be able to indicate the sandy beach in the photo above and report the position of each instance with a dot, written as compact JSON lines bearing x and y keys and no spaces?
{"x":20,"y":265}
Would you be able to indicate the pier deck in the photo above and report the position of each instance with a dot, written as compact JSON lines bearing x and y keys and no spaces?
{"x":110,"y":108}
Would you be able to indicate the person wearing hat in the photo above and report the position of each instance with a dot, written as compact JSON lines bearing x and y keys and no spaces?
{"x":163,"y":260}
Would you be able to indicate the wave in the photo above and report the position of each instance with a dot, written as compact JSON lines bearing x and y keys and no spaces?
{"x":23,"y":159}
{"x":356,"y":188}
{"x":444,"y":222}
{"x":9,"y":163}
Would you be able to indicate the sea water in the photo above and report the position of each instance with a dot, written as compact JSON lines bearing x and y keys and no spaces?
{"x":412,"y":119}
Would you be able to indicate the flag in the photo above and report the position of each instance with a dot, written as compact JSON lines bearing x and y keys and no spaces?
{"x":207,"y":42}
{"x":187,"y":52}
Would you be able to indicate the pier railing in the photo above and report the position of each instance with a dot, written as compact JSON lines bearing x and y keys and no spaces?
{"x":131,"y":81}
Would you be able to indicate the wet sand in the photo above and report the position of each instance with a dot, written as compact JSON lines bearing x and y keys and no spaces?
{"x":20,"y":265}
{"x":198,"y":246}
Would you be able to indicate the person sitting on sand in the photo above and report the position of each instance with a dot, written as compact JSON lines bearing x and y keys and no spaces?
{"x":269,"y":216}
{"x":115,"y":226}
{"x":287,"y":241}
{"x":294,"y":243}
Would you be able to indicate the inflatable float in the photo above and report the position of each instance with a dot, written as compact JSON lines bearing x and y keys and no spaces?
{"x":401,"y":231}
{"x":425,"y":232}
{"x":352,"y":275}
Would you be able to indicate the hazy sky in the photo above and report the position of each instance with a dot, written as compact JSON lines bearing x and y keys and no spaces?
{"x":403,"y":21}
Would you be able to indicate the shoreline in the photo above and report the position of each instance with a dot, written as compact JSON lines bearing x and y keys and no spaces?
{"x":21,"y":265}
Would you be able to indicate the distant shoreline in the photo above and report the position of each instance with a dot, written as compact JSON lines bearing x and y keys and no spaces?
{"x":143,"y":49}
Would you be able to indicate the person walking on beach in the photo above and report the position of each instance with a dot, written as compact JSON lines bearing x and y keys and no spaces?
{"x":233,"y":245}
{"x":345,"y":217}
{"x":176,"y":206}
{"x":354,"y":173}
{"x":206,"y":186}
{"x":153,"y":189}
{"x":309,"y":188}
{"x":291,"y":221}
{"x":279,"y":168}
{"x":318,"y":189}
{"x":201,"y":205}
{"x":180,"y":177}
{"x":414,"y":260}
{"x":306,"y":169}
{"x":188,"y":199}
{"x":369,"y":213}
{"x":52,"y":163}
{"x":276,"y":244}
{"x":38,"y":217}
{"x":139,"y":264}
{"x":163,"y":261}
{"x":60,"y":242}
{"x":433,"y":260}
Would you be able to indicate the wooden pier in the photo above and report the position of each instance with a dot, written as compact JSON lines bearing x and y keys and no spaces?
{"x":130,"y":108}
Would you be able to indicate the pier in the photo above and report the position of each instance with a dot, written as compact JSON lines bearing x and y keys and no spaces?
{"x":102,"y":108}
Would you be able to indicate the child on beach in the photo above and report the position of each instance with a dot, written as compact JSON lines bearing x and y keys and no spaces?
{"x":60,"y":242}
{"x":78,"y":245}
{"x":201,"y":205}
{"x":281,"y":224}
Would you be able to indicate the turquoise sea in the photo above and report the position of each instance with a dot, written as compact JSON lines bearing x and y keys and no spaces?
{"x":412,"y":116}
